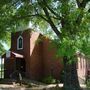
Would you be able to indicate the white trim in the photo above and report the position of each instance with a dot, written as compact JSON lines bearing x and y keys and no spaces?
{"x":20,"y":37}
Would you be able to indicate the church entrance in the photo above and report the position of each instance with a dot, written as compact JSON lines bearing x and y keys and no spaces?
{"x":21,"y":65}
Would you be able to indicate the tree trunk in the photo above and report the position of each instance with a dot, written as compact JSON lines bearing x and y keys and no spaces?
{"x":70,"y":75}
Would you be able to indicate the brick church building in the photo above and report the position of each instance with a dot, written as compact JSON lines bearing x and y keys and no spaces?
{"x":30,"y":54}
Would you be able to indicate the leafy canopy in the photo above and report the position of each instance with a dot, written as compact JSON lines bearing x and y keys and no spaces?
{"x":68,"y":19}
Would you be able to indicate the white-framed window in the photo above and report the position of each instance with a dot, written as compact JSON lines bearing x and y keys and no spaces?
{"x":20,"y":43}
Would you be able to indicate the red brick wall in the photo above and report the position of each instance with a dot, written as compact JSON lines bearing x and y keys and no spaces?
{"x":36,"y":64}
{"x":39,"y":60}
{"x":26,"y":47}
{"x":52,"y":65}
{"x":32,"y":52}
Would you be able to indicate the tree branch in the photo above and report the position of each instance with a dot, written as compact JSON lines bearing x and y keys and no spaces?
{"x":54,"y":28}
{"x":33,"y":15}
{"x":42,"y":16}
{"x":51,"y":10}
{"x":82,"y":4}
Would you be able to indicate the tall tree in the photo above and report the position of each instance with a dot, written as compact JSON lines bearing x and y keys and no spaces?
{"x":68,"y":19}
{"x":4,"y":29}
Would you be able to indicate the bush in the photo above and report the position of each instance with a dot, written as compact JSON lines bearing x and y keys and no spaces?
{"x":29,"y":85}
{"x":48,"y":80}
{"x":88,"y":83}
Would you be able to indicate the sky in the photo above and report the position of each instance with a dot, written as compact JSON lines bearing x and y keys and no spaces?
{"x":6,"y":46}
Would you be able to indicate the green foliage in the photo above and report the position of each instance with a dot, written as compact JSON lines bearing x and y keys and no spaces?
{"x":1,"y":49}
{"x":39,"y":40}
{"x":48,"y":80}
{"x":66,"y":21}
{"x":4,"y":38}
{"x":65,"y":48}
{"x":88,"y":83}
{"x":71,"y":20}
{"x":29,"y":85}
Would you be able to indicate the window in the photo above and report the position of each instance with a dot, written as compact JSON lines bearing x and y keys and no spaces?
{"x":20,"y":43}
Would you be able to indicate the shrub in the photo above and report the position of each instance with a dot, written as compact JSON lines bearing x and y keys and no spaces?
{"x":48,"y":80}
{"x":88,"y":83}
{"x":29,"y":85}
